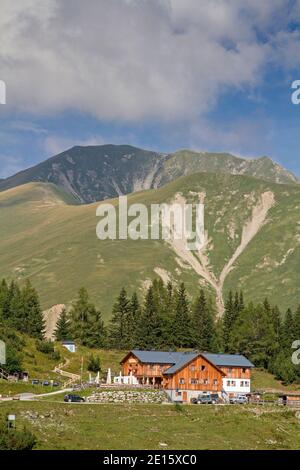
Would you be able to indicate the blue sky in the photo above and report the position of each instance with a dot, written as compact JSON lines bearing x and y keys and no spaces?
{"x":212,"y":75}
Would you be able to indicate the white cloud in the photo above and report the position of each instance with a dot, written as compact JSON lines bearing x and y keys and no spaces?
{"x":134,"y":59}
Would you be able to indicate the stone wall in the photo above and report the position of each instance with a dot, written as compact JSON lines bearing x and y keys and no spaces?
{"x":131,"y":396}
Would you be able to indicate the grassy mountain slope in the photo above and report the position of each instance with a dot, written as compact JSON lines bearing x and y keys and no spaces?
{"x":95,"y":173}
{"x":55,"y":244}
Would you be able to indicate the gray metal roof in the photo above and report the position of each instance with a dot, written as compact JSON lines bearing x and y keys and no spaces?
{"x":157,"y":357}
{"x":182,"y":361}
{"x":179,"y":359}
{"x":231,"y":360}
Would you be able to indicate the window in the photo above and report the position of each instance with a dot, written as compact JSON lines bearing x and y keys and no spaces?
{"x":181,"y":381}
{"x":244,"y":370}
{"x":205,"y":381}
{"x":192,"y":368}
{"x":178,"y":394}
{"x":228,"y":383}
{"x":202,"y":368}
{"x":246,"y":383}
{"x":242,"y":383}
{"x":215,"y":382}
{"x":194,"y":381}
{"x":233,"y":383}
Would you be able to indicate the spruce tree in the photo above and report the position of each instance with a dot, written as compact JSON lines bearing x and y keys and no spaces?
{"x":132,"y":320}
{"x":95,"y":332}
{"x":86,"y":324}
{"x":3,"y":298}
{"x":79,"y":316}
{"x":149,"y":329}
{"x":117,"y":329}
{"x":276,"y":321}
{"x":297,"y":324}
{"x":287,"y":335}
{"x":62,"y":330}
{"x":228,"y":319}
{"x":203,"y":325}
{"x":16,"y":308}
{"x":182,"y":322}
{"x":32,"y":315}
{"x":241,"y":302}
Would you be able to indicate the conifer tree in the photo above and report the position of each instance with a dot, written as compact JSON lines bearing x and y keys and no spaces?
{"x":276,"y":321}
{"x":3,"y":298}
{"x":117,"y":330}
{"x":228,"y":319}
{"x":95,"y":333}
{"x":16,"y":309}
{"x":86,"y":324}
{"x":203,"y":325}
{"x":62,"y":330}
{"x":253,"y":335}
{"x":31,"y":315}
{"x":297,"y":324}
{"x":182,"y":322}
{"x":287,"y":331}
{"x":149,"y":330}
{"x":132,"y":320}
{"x":241,"y":302}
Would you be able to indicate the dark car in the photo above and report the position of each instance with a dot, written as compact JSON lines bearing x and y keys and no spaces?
{"x":56,"y":384}
{"x":35,"y":382}
{"x":202,"y":400}
{"x":215,"y":398}
{"x":46,"y":383}
{"x":70,"y":398}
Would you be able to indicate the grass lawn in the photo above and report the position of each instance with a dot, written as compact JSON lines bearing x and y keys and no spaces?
{"x":82,"y":426}
{"x":11,"y":388}
{"x":263,"y":380}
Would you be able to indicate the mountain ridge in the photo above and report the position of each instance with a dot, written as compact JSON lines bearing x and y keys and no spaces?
{"x":94,"y":173}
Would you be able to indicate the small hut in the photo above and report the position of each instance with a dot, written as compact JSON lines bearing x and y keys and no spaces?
{"x":290,"y":399}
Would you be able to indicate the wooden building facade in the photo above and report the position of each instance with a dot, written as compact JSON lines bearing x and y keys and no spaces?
{"x":185,"y":375}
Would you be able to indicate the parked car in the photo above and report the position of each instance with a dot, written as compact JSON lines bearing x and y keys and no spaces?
{"x":70,"y":398}
{"x":46,"y":383}
{"x":215,"y":398}
{"x":56,"y":384}
{"x":35,"y":382}
{"x":238,"y":399}
{"x":203,"y":400}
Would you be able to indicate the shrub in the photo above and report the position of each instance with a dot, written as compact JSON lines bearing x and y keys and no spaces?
{"x":11,"y":439}
{"x":94,"y":364}
{"x":46,"y":347}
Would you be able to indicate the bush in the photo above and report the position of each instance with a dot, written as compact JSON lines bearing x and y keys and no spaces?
{"x":11,"y":439}
{"x":94,"y":364}
{"x":55,"y":356}
{"x":45,"y":346}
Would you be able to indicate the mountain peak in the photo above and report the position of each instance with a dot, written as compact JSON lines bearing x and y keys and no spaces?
{"x":96,"y":172}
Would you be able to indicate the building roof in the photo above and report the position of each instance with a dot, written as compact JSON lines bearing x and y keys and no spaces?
{"x":157,"y":357}
{"x":67,"y":342}
{"x":184,"y":359}
{"x":230,"y":360}
{"x":177,"y":360}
